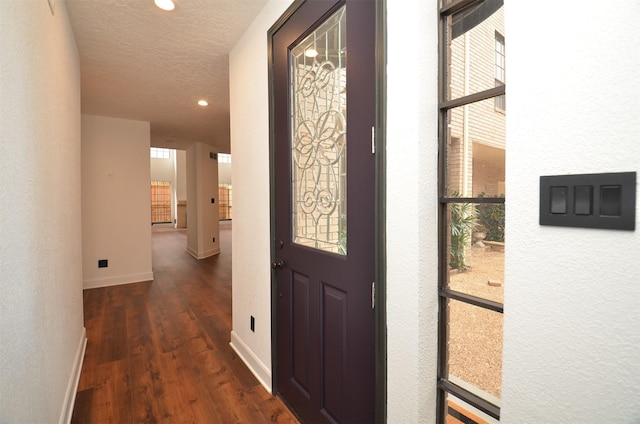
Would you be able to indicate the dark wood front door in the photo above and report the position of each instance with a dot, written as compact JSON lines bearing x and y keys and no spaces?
{"x":324,"y":94}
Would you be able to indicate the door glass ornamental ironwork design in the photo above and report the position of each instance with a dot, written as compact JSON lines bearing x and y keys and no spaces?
{"x":319,"y":137}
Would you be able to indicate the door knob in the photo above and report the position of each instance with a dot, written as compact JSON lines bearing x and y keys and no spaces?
{"x":277,"y":264}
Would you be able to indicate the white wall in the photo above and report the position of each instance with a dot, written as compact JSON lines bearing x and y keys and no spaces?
{"x":203,"y":228}
{"x":572,"y":296}
{"x":249,"y":97}
{"x":412,"y":232}
{"x":163,"y":169}
{"x":181,"y":175}
{"x":116,"y":204}
{"x":41,"y":330}
{"x":224,"y":173}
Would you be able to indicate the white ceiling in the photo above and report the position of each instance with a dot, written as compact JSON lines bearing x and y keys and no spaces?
{"x":139,"y":62}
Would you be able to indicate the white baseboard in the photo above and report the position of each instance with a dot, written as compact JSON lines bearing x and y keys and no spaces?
{"x":117,"y":280}
{"x":202,"y":255}
{"x":72,"y":386}
{"x":259,"y":370}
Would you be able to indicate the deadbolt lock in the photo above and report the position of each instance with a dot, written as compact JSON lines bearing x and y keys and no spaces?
{"x":277,"y":264}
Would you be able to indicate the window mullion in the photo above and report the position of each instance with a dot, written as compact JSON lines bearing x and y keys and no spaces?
{"x":470,"y":398}
{"x":473,"y":300}
{"x":473,"y":98}
{"x":445,"y":200}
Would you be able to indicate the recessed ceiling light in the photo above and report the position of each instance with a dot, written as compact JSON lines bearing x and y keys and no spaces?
{"x":165,"y":4}
{"x":203,"y":103}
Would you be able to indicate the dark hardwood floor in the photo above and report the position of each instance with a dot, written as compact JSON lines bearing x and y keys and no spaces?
{"x":158,"y":351}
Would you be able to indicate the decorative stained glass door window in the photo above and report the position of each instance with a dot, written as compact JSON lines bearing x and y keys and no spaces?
{"x":319,"y":137}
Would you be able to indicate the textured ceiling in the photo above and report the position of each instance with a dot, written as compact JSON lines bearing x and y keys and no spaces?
{"x":139,"y":62}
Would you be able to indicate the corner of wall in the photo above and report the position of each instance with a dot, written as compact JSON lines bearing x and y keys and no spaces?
{"x":117,"y":280}
{"x":74,"y":380}
{"x":260,"y":370}
{"x":249,"y":104}
{"x":116,"y":223}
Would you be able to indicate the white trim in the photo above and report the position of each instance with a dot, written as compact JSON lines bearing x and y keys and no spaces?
{"x":203,"y":255}
{"x":72,"y":386}
{"x":117,"y":280}
{"x":259,"y":370}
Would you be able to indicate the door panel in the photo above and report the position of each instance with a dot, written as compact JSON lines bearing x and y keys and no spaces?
{"x":324,"y":199}
{"x":334,"y":341}
{"x":300,"y":331}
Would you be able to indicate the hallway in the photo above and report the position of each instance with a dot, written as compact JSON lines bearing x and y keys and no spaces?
{"x":159,"y":351}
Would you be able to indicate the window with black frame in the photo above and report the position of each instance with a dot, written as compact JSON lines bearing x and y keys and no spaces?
{"x":471,"y":210}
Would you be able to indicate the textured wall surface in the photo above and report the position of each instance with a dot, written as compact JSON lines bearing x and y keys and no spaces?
{"x":412,"y":269}
{"x":40,"y":232}
{"x":116,"y":201}
{"x":250,"y":174}
{"x":572,"y":335}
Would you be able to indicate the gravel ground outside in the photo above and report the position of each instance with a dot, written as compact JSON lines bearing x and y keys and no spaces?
{"x":475,"y":334}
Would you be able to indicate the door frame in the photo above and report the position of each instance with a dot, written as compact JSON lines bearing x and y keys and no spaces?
{"x":380,"y":203}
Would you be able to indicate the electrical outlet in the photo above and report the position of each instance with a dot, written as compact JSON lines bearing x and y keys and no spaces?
{"x":103,"y":263}
{"x":213,"y":200}
{"x":253,"y":324}
{"x":214,"y":239}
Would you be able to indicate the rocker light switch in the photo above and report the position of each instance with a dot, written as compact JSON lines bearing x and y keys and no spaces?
{"x":610,"y":200}
{"x":582,"y":199}
{"x":558,"y":200}
{"x":589,"y":200}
